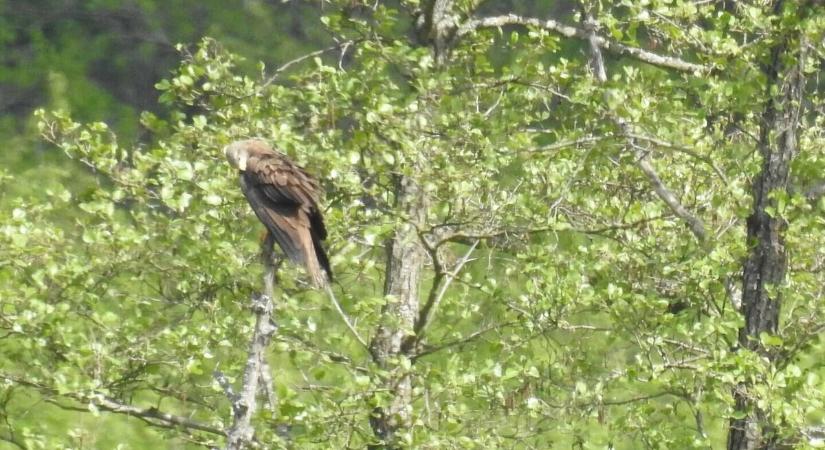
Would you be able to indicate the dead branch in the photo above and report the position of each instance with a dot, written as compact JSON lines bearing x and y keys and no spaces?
{"x":669,"y":62}
{"x":244,"y":405}
{"x":343,"y":46}
{"x":642,"y":158}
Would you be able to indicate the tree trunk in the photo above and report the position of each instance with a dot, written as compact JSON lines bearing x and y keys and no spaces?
{"x":766,"y":264}
{"x":405,"y":262}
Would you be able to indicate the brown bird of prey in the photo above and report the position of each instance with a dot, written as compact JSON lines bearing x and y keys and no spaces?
{"x":285,"y":198}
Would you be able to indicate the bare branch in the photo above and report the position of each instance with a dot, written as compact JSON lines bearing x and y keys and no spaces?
{"x":557,"y":27}
{"x":108,"y":404}
{"x":323,"y":353}
{"x":460,"y":233}
{"x":344,"y":45}
{"x":642,"y":160}
{"x":244,"y":404}
{"x":679,"y":148}
{"x":345,"y":318}
{"x":565,"y":144}
{"x":467,"y":339}
{"x":157,"y":417}
{"x":429,"y":309}
{"x":642,"y":398}
{"x":696,"y":225}
{"x":689,"y":347}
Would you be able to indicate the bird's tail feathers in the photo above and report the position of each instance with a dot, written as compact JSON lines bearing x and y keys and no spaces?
{"x":316,"y":273}
{"x":322,"y":257}
{"x":315,"y":261}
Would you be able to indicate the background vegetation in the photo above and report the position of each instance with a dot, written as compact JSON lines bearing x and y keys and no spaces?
{"x":553,"y":224}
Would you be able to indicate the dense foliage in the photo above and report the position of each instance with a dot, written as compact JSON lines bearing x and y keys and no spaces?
{"x":573,"y":244}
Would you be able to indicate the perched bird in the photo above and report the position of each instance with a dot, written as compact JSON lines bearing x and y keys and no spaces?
{"x":285,"y":198}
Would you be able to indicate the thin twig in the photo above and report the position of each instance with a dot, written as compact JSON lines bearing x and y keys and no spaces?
{"x":341,"y":45}
{"x":641,"y":398}
{"x":429,"y":350}
{"x":565,"y":144}
{"x":344,"y":317}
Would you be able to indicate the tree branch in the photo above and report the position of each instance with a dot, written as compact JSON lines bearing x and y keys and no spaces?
{"x":681,"y":149}
{"x":457,"y":233}
{"x":428,"y":310}
{"x":157,"y":417}
{"x":108,"y":404}
{"x":669,"y":62}
{"x":465,"y":340}
{"x":642,"y":160}
{"x":641,"y":398}
{"x":244,"y":404}
{"x":565,"y":144}
{"x":337,"y":306}
{"x":344,"y":45}
{"x":267,"y":385}
{"x":696,"y":225}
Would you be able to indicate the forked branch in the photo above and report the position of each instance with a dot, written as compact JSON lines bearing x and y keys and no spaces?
{"x":244,"y":405}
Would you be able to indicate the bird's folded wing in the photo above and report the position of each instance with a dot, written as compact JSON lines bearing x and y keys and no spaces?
{"x":287,"y":224}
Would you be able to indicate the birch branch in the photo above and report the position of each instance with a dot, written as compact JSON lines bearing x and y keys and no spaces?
{"x":669,"y":62}
{"x":156,"y":416}
{"x":686,"y":151}
{"x":642,"y":159}
{"x":337,"y":306}
{"x":429,"y":309}
{"x":244,"y":404}
{"x":343,"y":46}
{"x":97,"y":400}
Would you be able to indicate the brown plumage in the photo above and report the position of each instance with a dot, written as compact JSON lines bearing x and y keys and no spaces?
{"x":285,"y":198}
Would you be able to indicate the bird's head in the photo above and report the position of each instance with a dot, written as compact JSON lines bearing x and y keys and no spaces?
{"x":237,"y":153}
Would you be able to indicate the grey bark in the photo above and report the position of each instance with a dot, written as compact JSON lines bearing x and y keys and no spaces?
{"x":555,"y":26}
{"x":405,"y":262}
{"x":244,"y":405}
{"x":390,"y":347}
{"x":696,"y":225}
{"x":766,"y":264}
